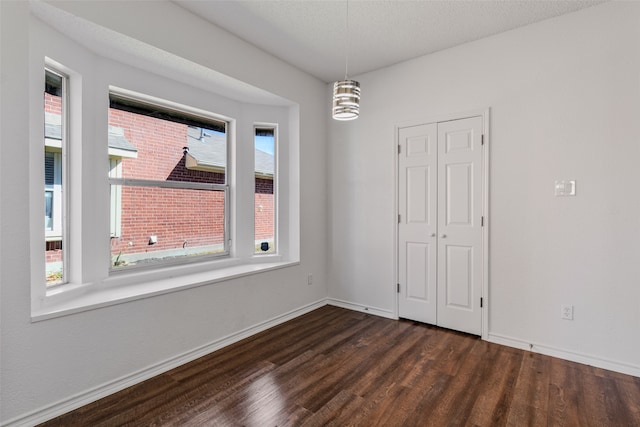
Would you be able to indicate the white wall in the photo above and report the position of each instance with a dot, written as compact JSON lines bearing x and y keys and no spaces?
{"x":52,"y":363}
{"x":565,"y":104}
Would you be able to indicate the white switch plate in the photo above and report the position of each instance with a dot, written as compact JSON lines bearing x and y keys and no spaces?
{"x":565,"y":188}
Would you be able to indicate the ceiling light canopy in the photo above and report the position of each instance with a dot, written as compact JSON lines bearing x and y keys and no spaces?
{"x":346,"y":93}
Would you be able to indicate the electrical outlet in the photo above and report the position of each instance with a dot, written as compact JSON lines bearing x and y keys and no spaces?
{"x":310,"y":279}
{"x":566,"y":312}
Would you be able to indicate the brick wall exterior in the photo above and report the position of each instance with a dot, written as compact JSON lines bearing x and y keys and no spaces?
{"x":53,"y":251}
{"x":178,"y":218}
{"x":52,"y":104}
{"x":264,"y":209}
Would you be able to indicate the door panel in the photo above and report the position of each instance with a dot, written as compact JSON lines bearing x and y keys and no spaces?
{"x":417,"y":271}
{"x":459,"y":228}
{"x":418,"y":197}
{"x":458,"y":205}
{"x":417,"y":180}
{"x":458,"y":140}
{"x":459,"y":278}
{"x":418,"y":146}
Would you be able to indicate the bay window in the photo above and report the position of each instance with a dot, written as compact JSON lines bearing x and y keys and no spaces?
{"x":153,"y":183}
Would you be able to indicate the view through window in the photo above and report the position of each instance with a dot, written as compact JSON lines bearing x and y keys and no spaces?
{"x":265,"y":180}
{"x":55,"y":130}
{"x":169,"y":193}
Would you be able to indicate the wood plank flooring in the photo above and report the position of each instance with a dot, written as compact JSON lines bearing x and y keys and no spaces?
{"x":344,"y":368}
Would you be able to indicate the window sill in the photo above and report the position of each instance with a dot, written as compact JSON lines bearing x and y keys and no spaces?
{"x":72,"y":299}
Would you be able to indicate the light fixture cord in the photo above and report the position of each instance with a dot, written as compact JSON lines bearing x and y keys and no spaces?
{"x":346,"y":54}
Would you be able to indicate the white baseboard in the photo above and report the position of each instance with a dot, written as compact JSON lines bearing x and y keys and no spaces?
{"x":69,"y":404}
{"x":572,"y":356}
{"x":363,"y":308}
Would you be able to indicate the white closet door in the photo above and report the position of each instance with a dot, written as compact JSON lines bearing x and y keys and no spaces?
{"x":440,"y":197}
{"x":459,"y":225}
{"x":417,"y":243}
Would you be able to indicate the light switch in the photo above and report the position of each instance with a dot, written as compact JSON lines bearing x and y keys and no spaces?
{"x":565,"y":188}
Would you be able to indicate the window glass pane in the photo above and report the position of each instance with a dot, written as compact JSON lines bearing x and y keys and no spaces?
{"x":265,"y":213}
{"x":157,"y":149}
{"x":49,"y":169}
{"x":48,"y":210}
{"x":167,"y":224}
{"x":154,"y":222}
{"x":54,"y":132}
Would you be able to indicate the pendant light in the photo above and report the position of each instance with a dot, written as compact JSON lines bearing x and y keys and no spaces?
{"x":346,"y":93}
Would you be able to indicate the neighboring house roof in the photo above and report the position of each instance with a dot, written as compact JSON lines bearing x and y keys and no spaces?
{"x":118,"y":141}
{"x":208,"y":152}
{"x":118,"y":144}
{"x":264,"y":163}
{"x":52,"y":127}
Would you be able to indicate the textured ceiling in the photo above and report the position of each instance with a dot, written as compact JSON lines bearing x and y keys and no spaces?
{"x":311,"y":34}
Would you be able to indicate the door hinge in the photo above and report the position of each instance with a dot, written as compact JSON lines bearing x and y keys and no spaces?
{"x":399,"y":148}
{"x":481,"y":139}
{"x":481,"y":302}
{"x":399,"y":219}
{"x":398,"y":288}
{"x":482,"y":221}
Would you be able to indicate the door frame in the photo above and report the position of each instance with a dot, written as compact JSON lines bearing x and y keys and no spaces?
{"x":485,"y":114}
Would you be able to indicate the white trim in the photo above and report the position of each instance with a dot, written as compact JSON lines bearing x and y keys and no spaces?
{"x":192,"y":163}
{"x":485,"y":231}
{"x":71,"y":299}
{"x":119,"y":152}
{"x":53,"y":143}
{"x":115,"y":198}
{"x":143,"y":98}
{"x":69,"y":404}
{"x":363,"y":308}
{"x":484,"y":113}
{"x":396,"y":212}
{"x":443,"y":118}
{"x":572,"y":356}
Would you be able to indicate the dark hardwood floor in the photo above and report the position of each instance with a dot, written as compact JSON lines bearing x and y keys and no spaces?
{"x":339,"y":367}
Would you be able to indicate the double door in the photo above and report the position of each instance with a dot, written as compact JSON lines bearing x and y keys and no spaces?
{"x":440,"y":197}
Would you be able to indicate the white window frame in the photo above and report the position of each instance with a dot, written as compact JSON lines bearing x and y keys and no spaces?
{"x":115,"y":217}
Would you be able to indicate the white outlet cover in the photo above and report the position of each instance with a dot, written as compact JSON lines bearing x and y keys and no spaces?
{"x":566,"y":312}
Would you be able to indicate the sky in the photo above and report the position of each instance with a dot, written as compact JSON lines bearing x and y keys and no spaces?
{"x":265,"y":143}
